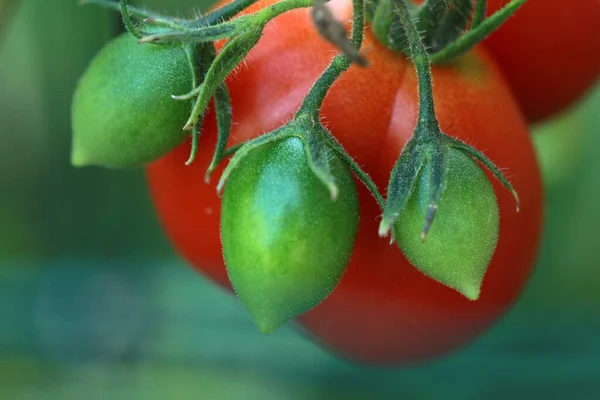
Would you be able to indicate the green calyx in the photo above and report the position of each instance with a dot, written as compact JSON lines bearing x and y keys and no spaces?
{"x":448,"y":28}
{"x":442,"y":210}
{"x":460,"y":245}
{"x":286,"y":242}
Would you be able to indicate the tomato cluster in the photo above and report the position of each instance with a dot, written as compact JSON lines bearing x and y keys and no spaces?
{"x":276,"y":233}
{"x":383,"y":310}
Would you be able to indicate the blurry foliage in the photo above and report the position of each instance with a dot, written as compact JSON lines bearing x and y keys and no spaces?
{"x":568,"y":268}
{"x":48,"y":208}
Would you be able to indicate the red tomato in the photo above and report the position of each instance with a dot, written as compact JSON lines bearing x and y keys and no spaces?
{"x":384,"y":310}
{"x":549,"y":52}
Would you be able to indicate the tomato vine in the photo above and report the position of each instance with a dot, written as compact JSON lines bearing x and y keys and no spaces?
{"x":434,"y":32}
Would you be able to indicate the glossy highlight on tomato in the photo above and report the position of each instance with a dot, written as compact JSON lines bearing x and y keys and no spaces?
{"x":549,"y":52}
{"x":383,"y":311}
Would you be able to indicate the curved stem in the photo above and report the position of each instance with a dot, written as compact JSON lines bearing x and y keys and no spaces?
{"x":128,"y":22}
{"x":223,"y":30}
{"x":268,"y":13}
{"x":421,"y":61}
{"x":311,"y":106}
{"x":231,"y":55}
{"x":474,"y":36}
{"x":478,"y":156}
{"x":362,"y":175}
{"x":225,"y":13}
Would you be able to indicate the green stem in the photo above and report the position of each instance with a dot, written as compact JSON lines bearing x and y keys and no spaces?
{"x":267,"y":14}
{"x":362,"y":175}
{"x":210,"y":33}
{"x":225,"y":13}
{"x":232,"y":150}
{"x":311,"y":106}
{"x":479,"y":14}
{"x":421,"y":61}
{"x":198,"y":35}
{"x":474,"y":36}
{"x":128,"y":22}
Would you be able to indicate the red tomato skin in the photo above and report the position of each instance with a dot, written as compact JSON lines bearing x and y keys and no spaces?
{"x":549,"y":52}
{"x":383,"y":311}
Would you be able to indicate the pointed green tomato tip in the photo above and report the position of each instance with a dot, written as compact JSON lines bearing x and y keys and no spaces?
{"x":121,"y":114}
{"x":471,"y":292}
{"x":463,"y":239}
{"x":267,"y":325}
{"x":78,"y":159}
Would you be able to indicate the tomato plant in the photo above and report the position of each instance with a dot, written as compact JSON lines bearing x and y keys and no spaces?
{"x":548,"y":52}
{"x":383,"y":310}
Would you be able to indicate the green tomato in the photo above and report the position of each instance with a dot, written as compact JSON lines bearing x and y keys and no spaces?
{"x":122,"y":113}
{"x":464,"y":234}
{"x":286,"y":242}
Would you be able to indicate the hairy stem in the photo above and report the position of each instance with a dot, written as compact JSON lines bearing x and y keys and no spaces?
{"x":311,"y":106}
{"x":422,"y":63}
{"x":128,"y":21}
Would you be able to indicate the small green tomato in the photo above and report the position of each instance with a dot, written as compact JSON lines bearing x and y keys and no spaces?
{"x":122,"y":112}
{"x":286,"y":243}
{"x":464,"y":234}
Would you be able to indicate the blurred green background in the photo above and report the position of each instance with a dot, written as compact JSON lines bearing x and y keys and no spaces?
{"x":94,"y":303}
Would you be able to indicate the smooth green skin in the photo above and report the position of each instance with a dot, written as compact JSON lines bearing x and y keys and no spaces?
{"x":122,"y":113}
{"x":286,"y":243}
{"x":464,"y":234}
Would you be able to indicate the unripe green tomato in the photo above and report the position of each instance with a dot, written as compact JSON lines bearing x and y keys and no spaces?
{"x":286,"y":242}
{"x":464,"y":234}
{"x":122,"y":113}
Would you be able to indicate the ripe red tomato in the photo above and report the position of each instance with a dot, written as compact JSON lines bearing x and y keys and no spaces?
{"x":384,"y":310}
{"x":549,"y":52}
